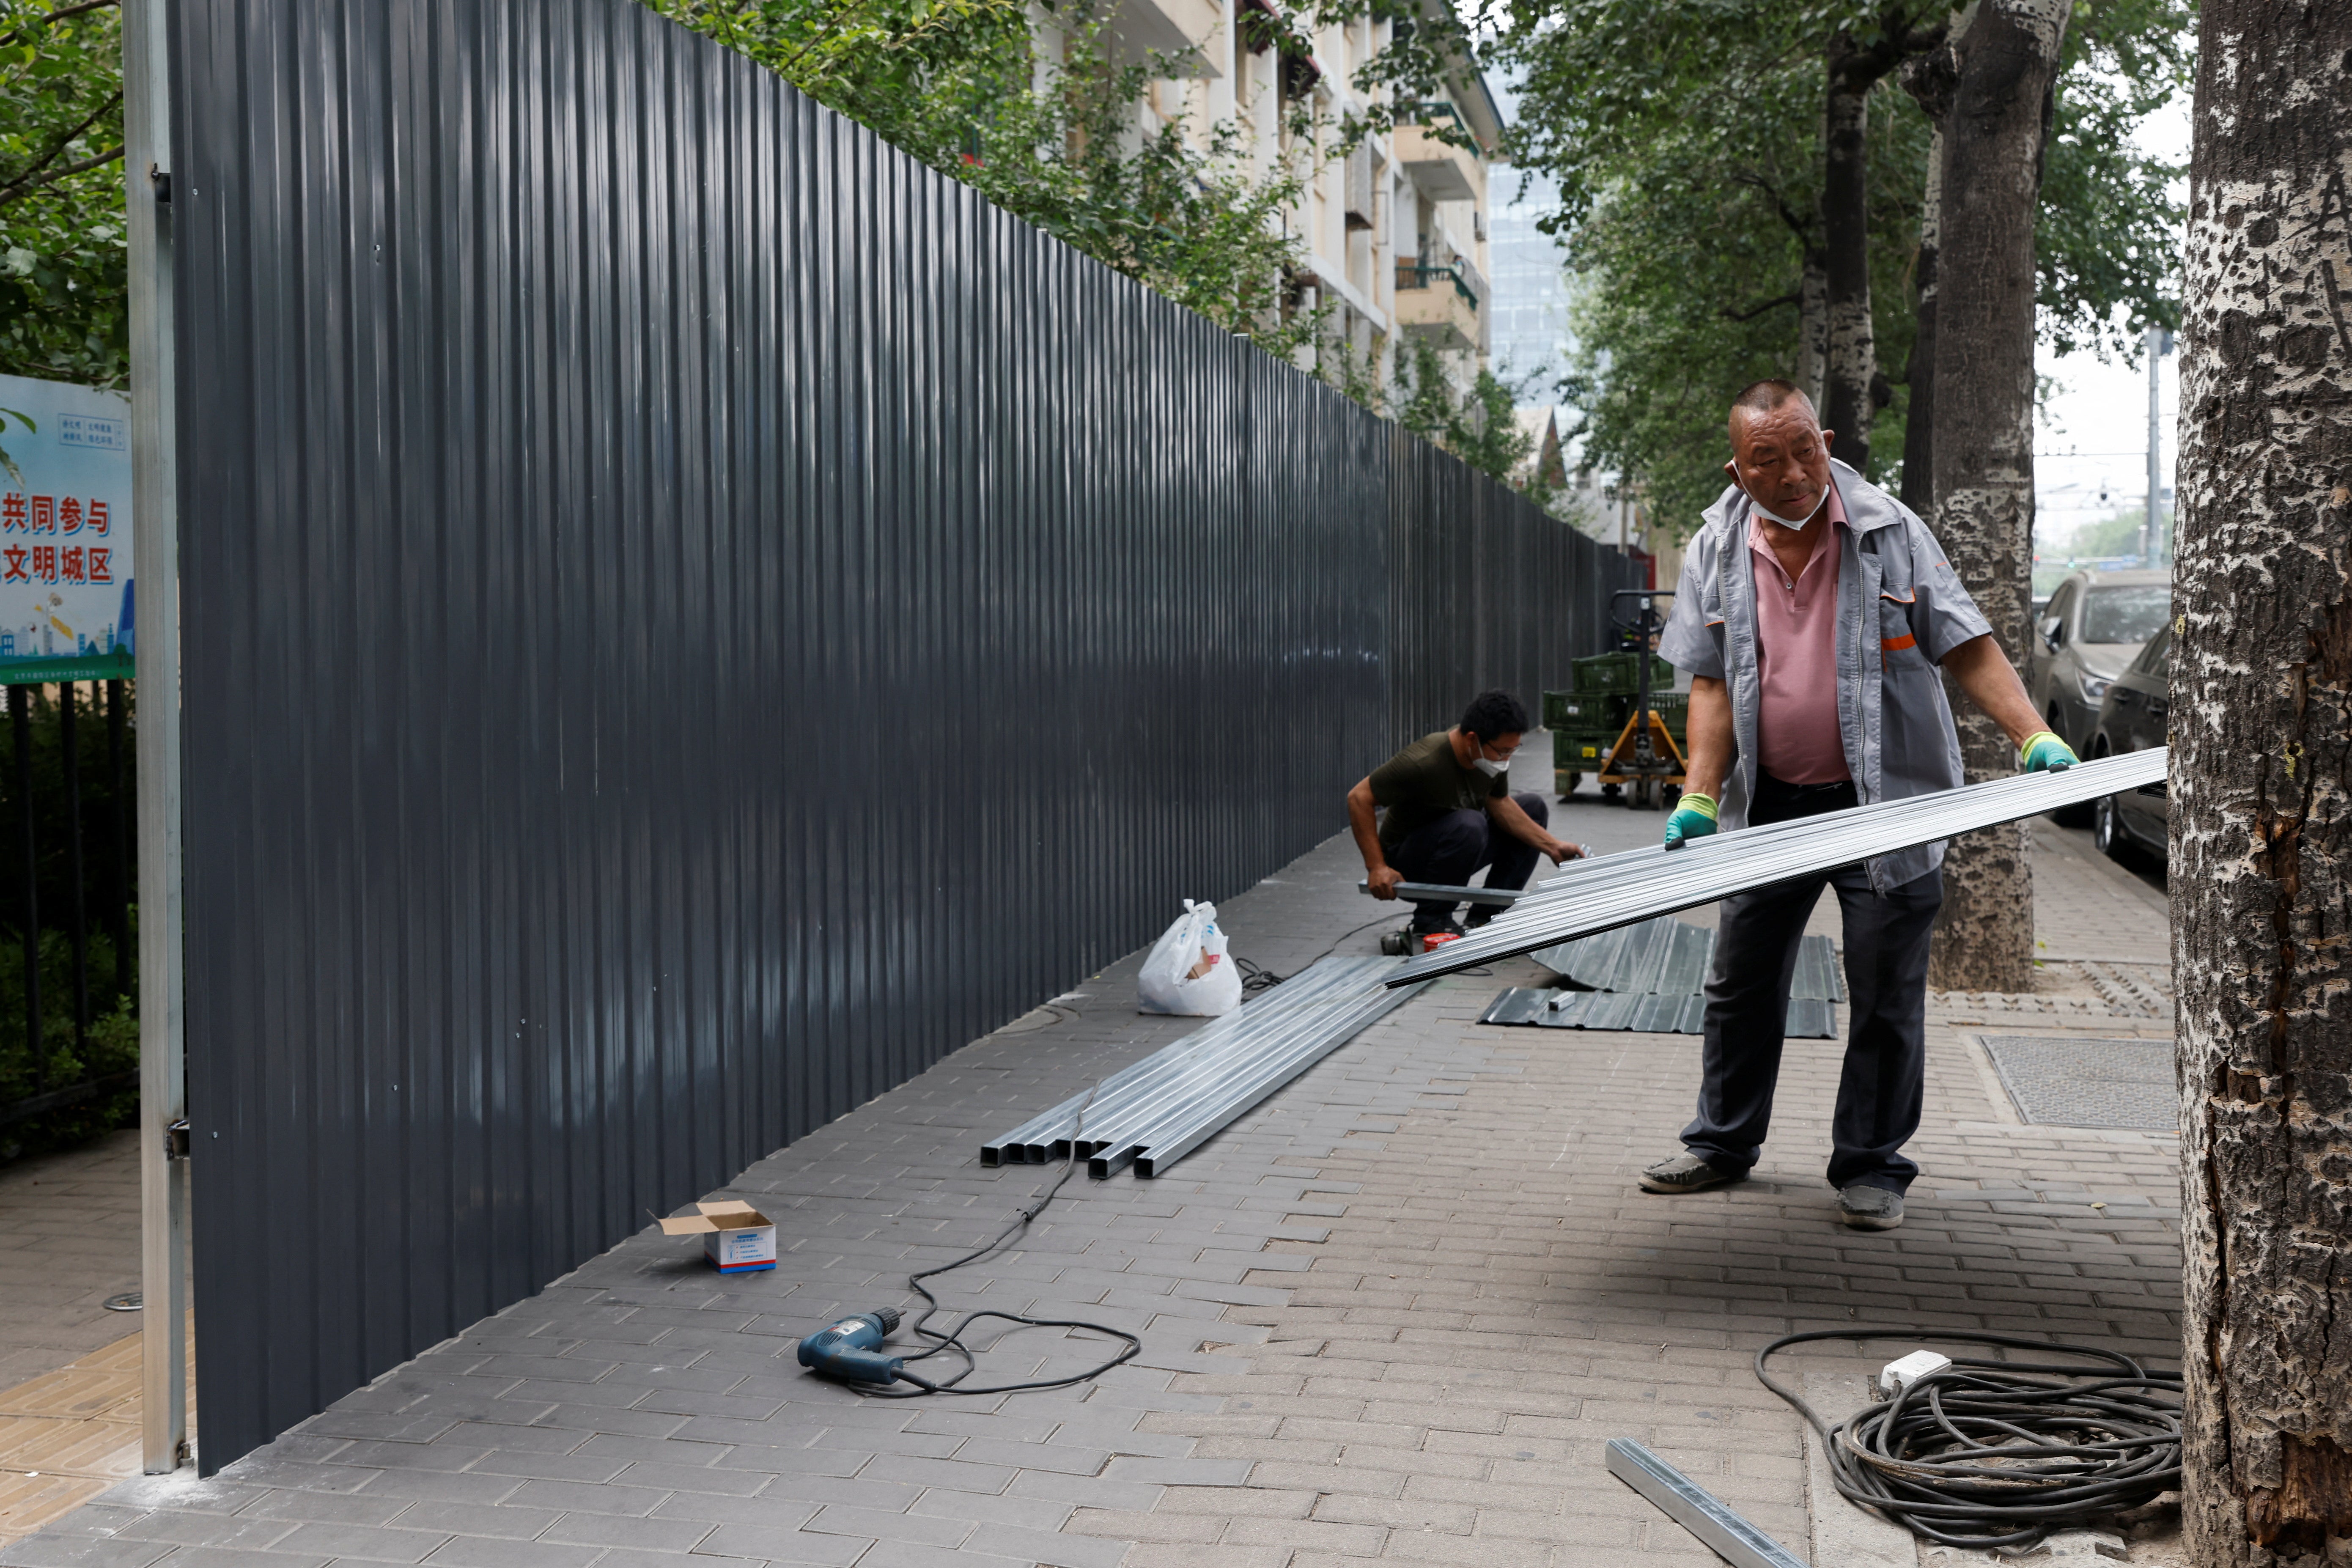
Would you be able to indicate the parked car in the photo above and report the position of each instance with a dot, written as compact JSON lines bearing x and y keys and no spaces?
{"x":2094,"y":624}
{"x":2134,"y":716}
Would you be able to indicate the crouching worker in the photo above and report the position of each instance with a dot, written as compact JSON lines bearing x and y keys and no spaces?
{"x":1448,"y":811}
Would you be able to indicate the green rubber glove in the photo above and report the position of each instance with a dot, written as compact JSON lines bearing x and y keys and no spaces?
{"x":2045,"y":752}
{"x":1694,"y":817}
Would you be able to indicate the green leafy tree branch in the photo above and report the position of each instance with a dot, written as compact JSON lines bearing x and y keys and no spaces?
{"x":1051,"y":137}
{"x":63,"y":309}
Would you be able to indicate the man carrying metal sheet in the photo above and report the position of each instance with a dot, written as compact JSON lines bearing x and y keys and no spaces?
{"x":1449,"y":810}
{"x":1813,"y":612}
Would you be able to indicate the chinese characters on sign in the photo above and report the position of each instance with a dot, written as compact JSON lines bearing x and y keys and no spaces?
{"x":66,"y":603}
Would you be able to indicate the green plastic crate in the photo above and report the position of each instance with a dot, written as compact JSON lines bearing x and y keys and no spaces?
{"x":1618,"y":672}
{"x":1580,"y":750}
{"x":1674,"y":706}
{"x":1580,"y":711}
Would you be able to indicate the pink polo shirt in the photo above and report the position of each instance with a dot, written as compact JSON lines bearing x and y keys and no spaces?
{"x":1797,"y":738}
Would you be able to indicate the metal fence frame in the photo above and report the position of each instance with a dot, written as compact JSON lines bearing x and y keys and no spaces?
{"x":619,"y":501}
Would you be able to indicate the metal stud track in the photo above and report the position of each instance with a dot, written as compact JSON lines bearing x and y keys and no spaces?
{"x":1159,"y":1110}
{"x":1612,"y":890}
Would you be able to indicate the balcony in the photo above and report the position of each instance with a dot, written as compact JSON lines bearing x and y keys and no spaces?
{"x":1179,"y":28}
{"x":1441,"y":303}
{"x":1441,"y":171}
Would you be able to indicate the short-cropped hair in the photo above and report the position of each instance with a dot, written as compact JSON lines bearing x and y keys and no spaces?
{"x":1763,"y":396}
{"x":1493,"y":713}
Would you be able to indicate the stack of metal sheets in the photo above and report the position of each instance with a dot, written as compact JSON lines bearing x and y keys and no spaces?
{"x":1612,"y":890}
{"x":1152,"y":1114}
{"x":1648,"y":979}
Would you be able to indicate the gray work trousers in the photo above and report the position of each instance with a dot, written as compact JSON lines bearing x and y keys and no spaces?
{"x":1748,"y":1006}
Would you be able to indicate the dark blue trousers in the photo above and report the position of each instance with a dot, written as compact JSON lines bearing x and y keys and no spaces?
{"x":1879,"y":1090}
{"x":1449,"y":850}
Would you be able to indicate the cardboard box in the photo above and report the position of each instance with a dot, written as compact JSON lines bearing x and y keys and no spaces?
{"x":735,"y":1238}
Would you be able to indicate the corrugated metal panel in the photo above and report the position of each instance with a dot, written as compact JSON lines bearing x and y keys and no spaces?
{"x":692,"y":616}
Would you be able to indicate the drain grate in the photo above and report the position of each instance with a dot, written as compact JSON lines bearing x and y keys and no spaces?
{"x":2088,"y":1083}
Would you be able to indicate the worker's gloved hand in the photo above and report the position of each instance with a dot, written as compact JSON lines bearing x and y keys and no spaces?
{"x":1694,"y":817}
{"x":2045,"y":752}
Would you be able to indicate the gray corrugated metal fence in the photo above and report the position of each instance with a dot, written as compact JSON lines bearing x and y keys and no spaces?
{"x":690,"y":617}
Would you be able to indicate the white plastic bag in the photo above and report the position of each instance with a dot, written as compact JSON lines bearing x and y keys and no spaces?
{"x":1187,"y":971}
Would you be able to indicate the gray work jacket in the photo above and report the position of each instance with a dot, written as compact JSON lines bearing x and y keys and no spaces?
{"x":1900,"y":610}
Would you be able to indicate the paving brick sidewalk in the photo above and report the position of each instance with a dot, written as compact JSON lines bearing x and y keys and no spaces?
{"x":1496,"y":1298}
{"x":1393,"y":1313}
{"x":62,"y":1220}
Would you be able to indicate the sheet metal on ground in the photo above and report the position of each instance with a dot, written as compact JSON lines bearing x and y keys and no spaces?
{"x":1649,"y":978}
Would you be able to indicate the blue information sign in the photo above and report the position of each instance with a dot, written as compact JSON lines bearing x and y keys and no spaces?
{"x":65,"y":532}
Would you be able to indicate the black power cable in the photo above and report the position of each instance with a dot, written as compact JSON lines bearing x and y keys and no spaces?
{"x":952,"y":1339}
{"x":2001,"y":1453}
{"x":1256,"y":977}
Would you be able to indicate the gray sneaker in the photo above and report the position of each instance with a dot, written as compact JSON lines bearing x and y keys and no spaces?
{"x":1685,"y":1172}
{"x":1869,"y":1208}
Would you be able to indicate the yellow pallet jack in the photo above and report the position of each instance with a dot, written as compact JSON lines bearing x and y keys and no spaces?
{"x":1647,"y":758}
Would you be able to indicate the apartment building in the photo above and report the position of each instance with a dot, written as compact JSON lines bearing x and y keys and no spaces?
{"x":1395,"y":232}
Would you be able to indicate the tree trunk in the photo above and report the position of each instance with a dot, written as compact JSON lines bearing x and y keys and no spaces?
{"x":2261,"y":783}
{"x":1919,"y":374}
{"x":1929,"y":79}
{"x":1812,"y":327}
{"x":1993,"y":145}
{"x":1852,"y":351}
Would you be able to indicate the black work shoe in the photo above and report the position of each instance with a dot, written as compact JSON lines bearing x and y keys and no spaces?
{"x":1869,"y":1208}
{"x":1424,"y":926}
{"x":1480,"y":916}
{"x":1685,"y":1172}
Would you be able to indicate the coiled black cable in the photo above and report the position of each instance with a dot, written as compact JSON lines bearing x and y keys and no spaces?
{"x":951,"y":1340}
{"x":2001,"y":1453}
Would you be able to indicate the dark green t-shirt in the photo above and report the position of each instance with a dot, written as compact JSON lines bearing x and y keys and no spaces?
{"x":1423,"y":783}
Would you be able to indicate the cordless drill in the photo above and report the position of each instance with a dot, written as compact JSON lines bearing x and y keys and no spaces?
{"x":845,"y":1350}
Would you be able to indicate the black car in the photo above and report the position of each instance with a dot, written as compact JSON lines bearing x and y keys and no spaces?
{"x":2134,"y":716}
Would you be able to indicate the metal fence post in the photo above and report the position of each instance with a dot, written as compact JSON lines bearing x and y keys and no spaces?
{"x":117,"y":905}
{"x":163,"y":1082}
{"x":37,"y":1043}
{"x":69,"y":760}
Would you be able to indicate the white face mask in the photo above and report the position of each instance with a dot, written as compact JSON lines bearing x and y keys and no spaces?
{"x":1487,"y":765}
{"x":1784,"y":522}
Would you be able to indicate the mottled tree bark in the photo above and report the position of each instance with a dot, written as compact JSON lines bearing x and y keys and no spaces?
{"x":1852,"y":358}
{"x":1813,"y":326}
{"x":1919,"y":373}
{"x":1928,"y":79}
{"x":1852,"y":391}
{"x":1993,"y":136}
{"x":2262,"y":763}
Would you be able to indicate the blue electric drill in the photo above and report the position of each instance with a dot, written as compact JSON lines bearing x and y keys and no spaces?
{"x":845,"y":1350}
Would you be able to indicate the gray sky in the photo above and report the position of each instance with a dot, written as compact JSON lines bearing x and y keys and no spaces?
{"x":2095,"y":428}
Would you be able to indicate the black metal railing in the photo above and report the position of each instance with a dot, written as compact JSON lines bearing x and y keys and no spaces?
{"x":1421,"y":275}
{"x":69,"y":1040}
